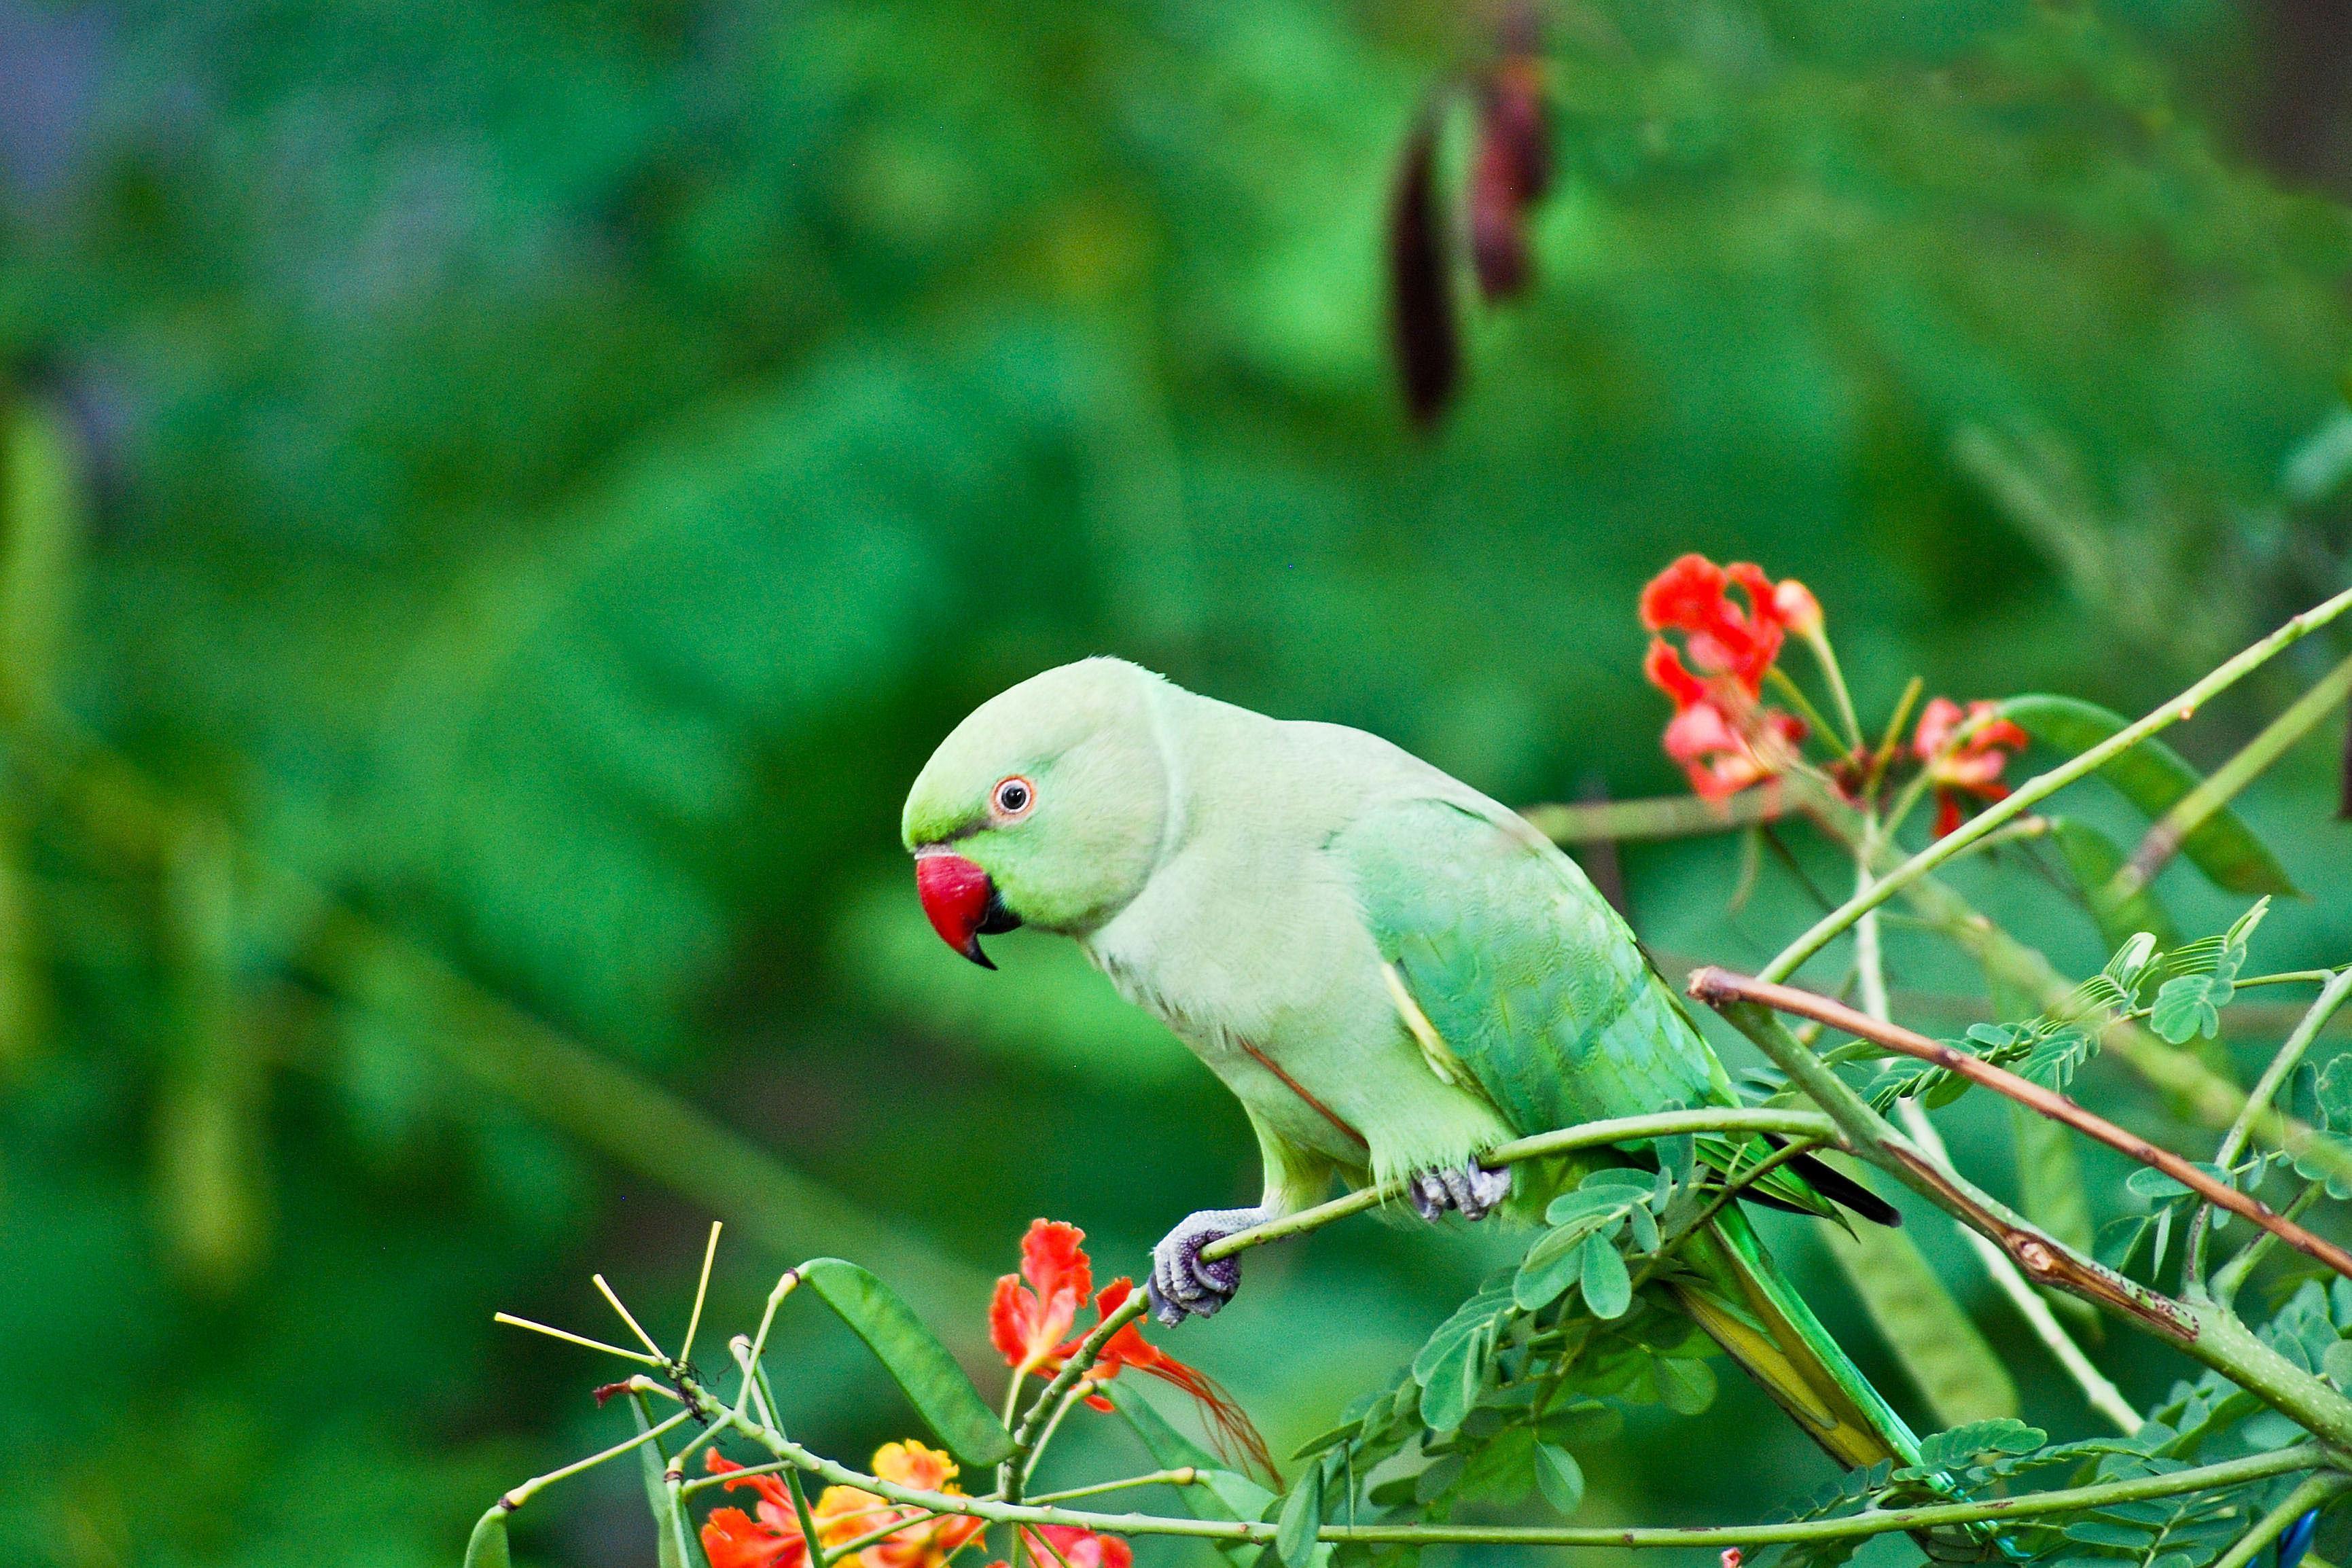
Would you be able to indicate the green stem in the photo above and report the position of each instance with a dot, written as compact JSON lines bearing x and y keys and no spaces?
{"x":2041,"y":787}
{"x":1077,"y":1391}
{"x":1591,"y":1135}
{"x":2204,"y":1331}
{"x":2165,"y":835}
{"x":2233,"y":1142}
{"x":750,"y":1354}
{"x":2314,"y":1492}
{"x":2232,"y":1274}
{"x":2097,"y":1389}
{"x":858,"y":1544}
{"x":1818,"y":641}
{"x":1014,"y":1472}
{"x":1182,"y":1476}
{"x":1805,"y":709}
{"x":524,"y":1493}
{"x":1663,"y":817}
{"x":1875,"y":1522}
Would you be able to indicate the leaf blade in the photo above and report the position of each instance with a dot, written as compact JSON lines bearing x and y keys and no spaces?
{"x":930,"y":1378}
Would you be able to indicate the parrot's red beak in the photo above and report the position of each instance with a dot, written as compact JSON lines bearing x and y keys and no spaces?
{"x":961,"y":902}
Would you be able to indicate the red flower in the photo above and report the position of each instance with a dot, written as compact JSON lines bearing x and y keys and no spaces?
{"x":1723,"y":735}
{"x":1032,"y":1321}
{"x":1065,"y":1543}
{"x":733,"y":1538}
{"x":1974,"y":766}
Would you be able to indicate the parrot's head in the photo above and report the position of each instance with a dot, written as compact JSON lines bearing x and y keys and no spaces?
{"x":1043,"y":807}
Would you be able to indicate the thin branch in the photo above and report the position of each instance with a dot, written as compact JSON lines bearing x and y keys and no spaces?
{"x":2168,"y":833}
{"x":2314,"y":1492}
{"x":2041,"y":787}
{"x":510,"y":1320}
{"x":1591,"y":1135}
{"x":1014,"y":1471}
{"x":1662,"y":817}
{"x":643,"y":1337}
{"x":2233,"y":1142}
{"x":701,"y":1289}
{"x":2098,"y":1390}
{"x":1874,"y":1521}
{"x":1182,"y":1476}
{"x":2232,"y":1274}
{"x":786,"y":1283}
{"x":1716,"y":986}
{"x":522,"y":1494}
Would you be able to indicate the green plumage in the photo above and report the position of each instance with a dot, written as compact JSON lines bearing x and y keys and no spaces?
{"x":1392,"y":973}
{"x":1543,"y":994}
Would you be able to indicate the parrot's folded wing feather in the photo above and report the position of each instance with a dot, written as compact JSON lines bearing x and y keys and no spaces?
{"x":1525,"y":972}
{"x":1538,"y":990}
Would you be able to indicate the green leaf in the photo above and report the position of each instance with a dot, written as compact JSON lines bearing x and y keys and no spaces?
{"x":1960,"y":1444}
{"x":937,"y":1387}
{"x":1220,"y":1494}
{"x":1955,"y":1370}
{"x":488,"y":1546}
{"x":1608,"y":1288}
{"x":1438,"y":1480}
{"x":1686,"y":1384}
{"x":1554,"y":1263}
{"x":2153,"y":777}
{"x":2337,"y":1363}
{"x":675,"y":1540}
{"x":1559,"y":1477}
{"x":2153,"y":1185}
{"x":1330,"y":1440}
{"x":2311,"y":1161}
{"x":1504,"y":1470}
{"x":1453,"y":1364}
{"x":2092,"y":861}
{"x":2335,"y":1093}
{"x":2188,"y":1006}
{"x":1587,"y":1204}
{"x":1302,"y":1516}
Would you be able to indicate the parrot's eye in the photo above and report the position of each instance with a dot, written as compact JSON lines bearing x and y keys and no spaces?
{"x":1015,"y":796}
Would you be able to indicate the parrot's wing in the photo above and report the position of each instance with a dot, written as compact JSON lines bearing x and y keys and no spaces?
{"x":1531,"y":981}
{"x":1523,"y":969}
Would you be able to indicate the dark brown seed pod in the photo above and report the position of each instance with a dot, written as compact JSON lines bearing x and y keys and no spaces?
{"x":1426,"y":337}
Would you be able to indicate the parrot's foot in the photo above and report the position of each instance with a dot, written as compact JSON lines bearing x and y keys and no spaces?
{"x":1181,"y":1283}
{"x":1472,"y":1189}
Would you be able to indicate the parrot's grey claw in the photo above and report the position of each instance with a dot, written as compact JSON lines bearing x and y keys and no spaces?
{"x":1181,"y":1284}
{"x":1471,"y":1190}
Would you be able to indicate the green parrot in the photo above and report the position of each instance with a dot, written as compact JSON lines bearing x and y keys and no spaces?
{"x":1392,"y":972}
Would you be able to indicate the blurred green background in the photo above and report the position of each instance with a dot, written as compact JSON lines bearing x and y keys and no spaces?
{"x":501,"y":498}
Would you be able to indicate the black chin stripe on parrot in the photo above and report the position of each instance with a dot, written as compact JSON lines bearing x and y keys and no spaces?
{"x":996,"y":920}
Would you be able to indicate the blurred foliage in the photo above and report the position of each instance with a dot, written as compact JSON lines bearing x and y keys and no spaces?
{"x":501,"y":498}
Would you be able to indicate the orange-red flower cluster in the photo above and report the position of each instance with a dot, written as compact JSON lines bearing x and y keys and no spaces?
{"x":1971,"y":767}
{"x":1051,"y":1545}
{"x":732,"y":1539}
{"x":1033,"y":1318}
{"x":1722,"y":733}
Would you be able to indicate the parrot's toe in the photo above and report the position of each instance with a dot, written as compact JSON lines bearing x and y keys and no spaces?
{"x":1182,"y":1283}
{"x":1470,"y":1190}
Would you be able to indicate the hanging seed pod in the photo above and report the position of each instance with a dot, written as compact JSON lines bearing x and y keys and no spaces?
{"x":1421,"y":326}
{"x":1511,"y":170}
{"x":2344,"y":797}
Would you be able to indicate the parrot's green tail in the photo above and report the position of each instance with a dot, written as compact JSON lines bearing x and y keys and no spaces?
{"x":1744,"y":1301}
